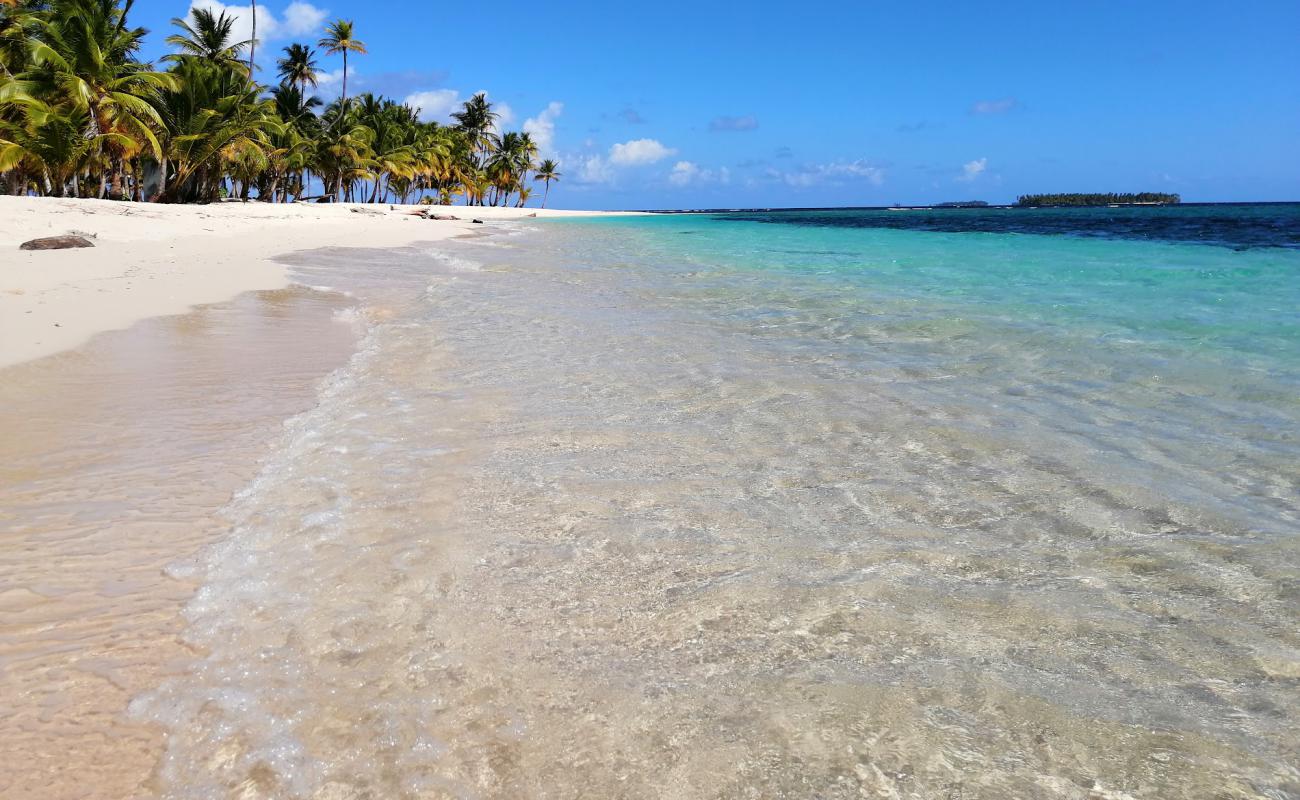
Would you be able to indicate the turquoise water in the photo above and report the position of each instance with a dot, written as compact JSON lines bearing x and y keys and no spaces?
{"x":1197,"y":344}
{"x":713,"y":507}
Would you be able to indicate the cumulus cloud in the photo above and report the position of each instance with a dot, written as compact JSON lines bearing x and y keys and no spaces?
{"x":300,"y":19}
{"x":594,"y":169}
{"x":542,"y":127}
{"x":973,"y":169}
{"x":639,"y":151}
{"x":684,"y":173}
{"x":435,"y":105}
{"x":605,"y":167}
{"x":994,"y":106}
{"x":724,"y":124}
{"x":333,"y":77}
{"x":505,"y":114}
{"x":833,"y":172}
{"x":303,"y":19}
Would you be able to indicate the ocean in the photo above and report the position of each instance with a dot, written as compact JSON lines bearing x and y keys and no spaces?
{"x":900,"y":504}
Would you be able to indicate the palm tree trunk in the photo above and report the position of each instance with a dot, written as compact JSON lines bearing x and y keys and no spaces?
{"x":252,"y":45}
{"x":546,"y":193}
{"x":345,"y":82}
{"x":118,"y":189}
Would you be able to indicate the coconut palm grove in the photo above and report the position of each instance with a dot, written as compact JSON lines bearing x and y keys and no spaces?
{"x":82,"y":116}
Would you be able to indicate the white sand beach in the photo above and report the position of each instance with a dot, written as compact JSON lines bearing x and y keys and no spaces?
{"x":152,"y":260}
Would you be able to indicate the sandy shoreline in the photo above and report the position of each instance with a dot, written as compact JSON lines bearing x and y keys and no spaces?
{"x":143,"y":380}
{"x":152,"y":260}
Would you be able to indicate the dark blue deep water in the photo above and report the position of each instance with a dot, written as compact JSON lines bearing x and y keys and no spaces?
{"x":1225,"y":225}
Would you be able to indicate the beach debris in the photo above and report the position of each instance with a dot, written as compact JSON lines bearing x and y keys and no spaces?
{"x":427,"y":213}
{"x":477,"y":221}
{"x":56,"y":243}
{"x":370,"y":211}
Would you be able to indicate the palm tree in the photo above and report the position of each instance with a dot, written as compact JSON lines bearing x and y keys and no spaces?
{"x":294,"y":107}
{"x":548,"y":171}
{"x":476,"y":118}
{"x":50,"y":145}
{"x":80,"y":114}
{"x":298,"y":66}
{"x":214,"y":119}
{"x":17,"y":18}
{"x":209,"y":37}
{"x":83,"y":57}
{"x":340,"y":38}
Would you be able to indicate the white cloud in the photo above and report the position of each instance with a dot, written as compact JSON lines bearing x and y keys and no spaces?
{"x":300,"y":19}
{"x":973,"y":169}
{"x":303,"y":19}
{"x":435,"y":105}
{"x":594,"y":169}
{"x":333,"y":77}
{"x":267,"y":24}
{"x":639,"y":151}
{"x":505,"y":114}
{"x":685,"y":173}
{"x":542,"y":127}
{"x":994,"y":106}
{"x":834,"y":172}
{"x":598,"y":168}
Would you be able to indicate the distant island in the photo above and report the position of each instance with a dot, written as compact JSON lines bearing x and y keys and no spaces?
{"x":963,"y":204}
{"x":1074,"y":199}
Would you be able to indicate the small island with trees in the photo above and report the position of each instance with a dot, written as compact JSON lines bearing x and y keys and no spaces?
{"x":1106,"y":199}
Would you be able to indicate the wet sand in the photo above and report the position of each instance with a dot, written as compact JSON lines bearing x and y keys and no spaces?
{"x":114,"y":460}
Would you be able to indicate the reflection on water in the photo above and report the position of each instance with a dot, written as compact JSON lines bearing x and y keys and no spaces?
{"x":113,"y":460}
{"x":577,"y":521}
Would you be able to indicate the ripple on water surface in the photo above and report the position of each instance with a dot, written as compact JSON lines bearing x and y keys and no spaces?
{"x":629,"y":514}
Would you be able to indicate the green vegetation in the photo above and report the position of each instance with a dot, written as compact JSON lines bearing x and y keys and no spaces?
{"x":1141,"y":198}
{"x":82,"y":116}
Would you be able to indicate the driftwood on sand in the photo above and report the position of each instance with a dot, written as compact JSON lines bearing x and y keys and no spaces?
{"x":56,"y":243}
{"x":425,"y":213}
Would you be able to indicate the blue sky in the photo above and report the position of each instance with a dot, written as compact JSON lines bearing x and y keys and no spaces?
{"x":859,"y":102}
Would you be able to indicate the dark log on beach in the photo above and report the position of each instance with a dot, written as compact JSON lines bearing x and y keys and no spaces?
{"x":56,"y":243}
{"x":477,"y":221}
{"x":445,"y":217}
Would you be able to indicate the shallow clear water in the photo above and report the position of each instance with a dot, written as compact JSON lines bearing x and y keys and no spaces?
{"x":699,"y":507}
{"x":113,"y":458}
